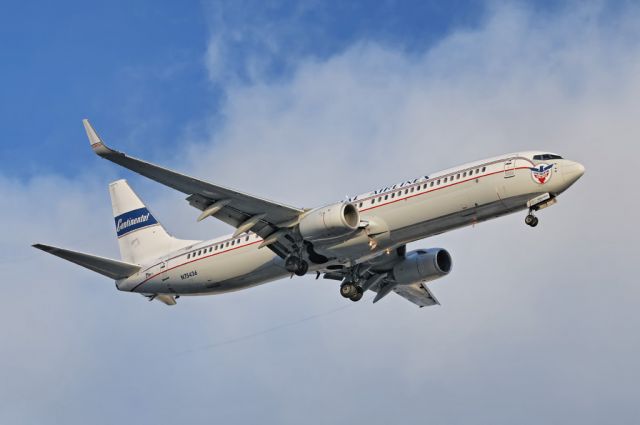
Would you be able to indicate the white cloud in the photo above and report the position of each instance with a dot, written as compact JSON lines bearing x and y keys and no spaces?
{"x":536,"y":325}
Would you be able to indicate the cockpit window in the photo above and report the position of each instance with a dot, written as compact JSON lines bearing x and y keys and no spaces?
{"x":546,"y":157}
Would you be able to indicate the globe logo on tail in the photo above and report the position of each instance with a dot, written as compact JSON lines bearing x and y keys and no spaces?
{"x":541,"y":173}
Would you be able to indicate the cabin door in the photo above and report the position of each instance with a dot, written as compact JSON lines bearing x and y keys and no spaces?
{"x":509,"y":168}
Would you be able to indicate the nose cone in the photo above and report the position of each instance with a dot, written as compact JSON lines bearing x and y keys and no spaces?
{"x":572,"y":172}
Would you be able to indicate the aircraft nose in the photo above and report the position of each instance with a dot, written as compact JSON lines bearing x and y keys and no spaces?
{"x":572,"y":172}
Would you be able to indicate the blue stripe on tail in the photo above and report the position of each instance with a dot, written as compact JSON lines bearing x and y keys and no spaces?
{"x":133,"y":220}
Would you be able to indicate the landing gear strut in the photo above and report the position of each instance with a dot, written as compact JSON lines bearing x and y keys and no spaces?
{"x":531,"y":220}
{"x":351,"y":291}
{"x":296,"y":265}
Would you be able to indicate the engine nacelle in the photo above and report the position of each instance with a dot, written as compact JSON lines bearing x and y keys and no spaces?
{"x":330,"y":222}
{"x":422,"y":265}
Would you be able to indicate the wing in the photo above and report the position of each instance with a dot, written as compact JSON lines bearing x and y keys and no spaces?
{"x":240,"y":210}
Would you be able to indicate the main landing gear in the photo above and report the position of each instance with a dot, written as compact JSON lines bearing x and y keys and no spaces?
{"x":296,"y":265}
{"x":531,"y":220}
{"x":351,"y":291}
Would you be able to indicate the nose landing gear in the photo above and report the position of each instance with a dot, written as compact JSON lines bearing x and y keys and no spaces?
{"x":531,"y":220}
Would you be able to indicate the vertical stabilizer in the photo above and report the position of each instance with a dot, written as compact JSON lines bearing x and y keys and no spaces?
{"x":140,"y":236}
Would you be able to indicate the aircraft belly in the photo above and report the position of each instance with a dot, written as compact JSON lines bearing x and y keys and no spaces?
{"x":459,"y":219}
{"x":233,"y":271}
{"x":462,"y":199}
{"x":468,"y":203}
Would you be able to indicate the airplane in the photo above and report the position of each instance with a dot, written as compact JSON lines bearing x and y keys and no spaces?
{"x":360,"y":242}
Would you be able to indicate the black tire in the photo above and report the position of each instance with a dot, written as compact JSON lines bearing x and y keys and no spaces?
{"x":535,"y":222}
{"x":358,"y":296}
{"x":303,"y":268}
{"x":530,"y":219}
{"x":292,"y":264}
{"x":348,"y":290}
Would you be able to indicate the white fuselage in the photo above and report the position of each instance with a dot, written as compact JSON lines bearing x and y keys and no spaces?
{"x":396,"y":215}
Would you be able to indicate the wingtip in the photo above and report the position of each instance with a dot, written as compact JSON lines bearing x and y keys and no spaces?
{"x":41,"y":247}
{"x":96,"y":142}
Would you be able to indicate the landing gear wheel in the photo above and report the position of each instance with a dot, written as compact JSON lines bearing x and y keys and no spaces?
{"x":303,"y":268}
{"x":358,"y":295}
{"x":292,"y":264}
{"x":348,"y":290}
{"x":531,"y":220}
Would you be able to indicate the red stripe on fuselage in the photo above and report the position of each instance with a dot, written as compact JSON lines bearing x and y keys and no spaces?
{"x":192,"y":261}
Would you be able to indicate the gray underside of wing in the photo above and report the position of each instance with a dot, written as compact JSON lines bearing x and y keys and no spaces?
{"x":207,"y":193}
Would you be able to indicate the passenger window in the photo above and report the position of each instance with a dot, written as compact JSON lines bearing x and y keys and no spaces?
{"x":226,"y":245}
{"x":393,"y":195}
{"x":386,"y":197}
{"x":438,"y":182}
{"x":210,"y":248}
{"x":412,"y":189}
{"x":458,"y":176}
{"x":247,"y":238}
{"x":464,"y":174}
{"x":431,"y":184}
{"x":188,"y":256}
{"x":373,"y":201}
{"x":406,"y":191}
{"x":445,"y":179}
{"x":484,"y":169}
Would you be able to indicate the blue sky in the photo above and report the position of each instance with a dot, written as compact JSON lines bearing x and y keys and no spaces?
{"x":138,"y":68}
{"x":305,"y":103}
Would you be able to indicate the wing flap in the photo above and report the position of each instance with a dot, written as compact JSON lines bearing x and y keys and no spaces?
{"x":105,"y":266}
{"x":417,"y":293}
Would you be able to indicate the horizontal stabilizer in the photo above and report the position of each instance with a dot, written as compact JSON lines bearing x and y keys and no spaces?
{"x":105,"y":266}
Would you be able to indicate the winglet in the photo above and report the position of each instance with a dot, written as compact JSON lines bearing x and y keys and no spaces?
{"x":97,"y":144}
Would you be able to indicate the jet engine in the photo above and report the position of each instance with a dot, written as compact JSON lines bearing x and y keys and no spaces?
{"x":330,"y":222}
{"x":422,"y":265}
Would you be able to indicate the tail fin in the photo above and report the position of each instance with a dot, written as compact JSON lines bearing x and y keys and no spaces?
{"x":140,"y":235}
